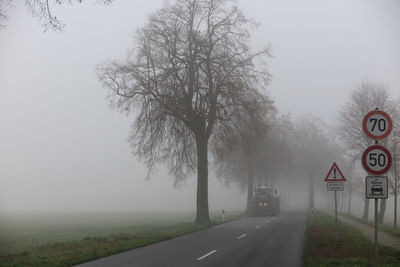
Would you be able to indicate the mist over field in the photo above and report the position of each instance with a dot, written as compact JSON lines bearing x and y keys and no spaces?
{"x":200,"y":131}
{"x":64,"y":151}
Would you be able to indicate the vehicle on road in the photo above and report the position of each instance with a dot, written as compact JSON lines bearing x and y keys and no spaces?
{"x":266,"y":201}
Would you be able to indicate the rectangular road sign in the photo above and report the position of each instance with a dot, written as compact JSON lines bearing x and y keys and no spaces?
{"x":335,"y":186}
{"x":376,"y":187}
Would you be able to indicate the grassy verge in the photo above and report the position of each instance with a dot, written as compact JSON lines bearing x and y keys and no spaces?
{"x":351,"y":248}
{"x":77,"y":251}
{"x":384,"y":227}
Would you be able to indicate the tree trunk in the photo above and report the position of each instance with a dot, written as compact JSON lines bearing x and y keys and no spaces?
{"x":366,"y":209}
{"x":349,"y":207}
{"x":250,"y":190}
{"x":382,"y":210}
{"x":311,"y":193}
{"x":202,"y":213}
{"x":395,"y":159}
{"x":395,"y":211}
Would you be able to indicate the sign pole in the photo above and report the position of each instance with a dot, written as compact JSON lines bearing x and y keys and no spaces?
{"x":376,"y":229}
{"x":336,"y":235}
{"x":376,"y":234}
{"x":376,"y":160}
{"x":335,"y":179}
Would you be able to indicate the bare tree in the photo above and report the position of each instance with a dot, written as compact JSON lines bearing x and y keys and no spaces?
{"x":255,"y":157}
{"x":275,"y":152}
{"x":365,"y":98}
{"x":314,"y":152}
{"x":236,"y":158}
{"x":41,"y":10}
{"x":394,"y":185}
{"x":191,"y":76}
{"x":4,"y":4}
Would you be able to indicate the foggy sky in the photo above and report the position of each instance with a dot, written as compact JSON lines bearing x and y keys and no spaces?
{"x":63,"y":149}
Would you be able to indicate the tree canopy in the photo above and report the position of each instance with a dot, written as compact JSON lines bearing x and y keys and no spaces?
{"x":42,"y":11}
{"x":193,"y":78}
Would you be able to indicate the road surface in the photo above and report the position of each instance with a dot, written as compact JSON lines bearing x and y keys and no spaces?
{"x":255,"y":241}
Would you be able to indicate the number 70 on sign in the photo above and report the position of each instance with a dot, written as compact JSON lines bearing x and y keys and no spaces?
{"x":377,"y":124}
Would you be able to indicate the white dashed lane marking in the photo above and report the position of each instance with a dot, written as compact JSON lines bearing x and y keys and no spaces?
{"x":240,"y":237}
{"x":206,"y":255}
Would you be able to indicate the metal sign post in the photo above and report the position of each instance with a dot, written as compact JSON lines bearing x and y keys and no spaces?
{"x":376,"y":234}
{"x":335,"y":179}
{"x":336,"y":226}
{"x":376,"y":160}
{"x":376,"y":187}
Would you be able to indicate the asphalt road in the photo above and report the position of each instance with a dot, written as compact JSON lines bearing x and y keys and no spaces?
{"x":256,"y":241}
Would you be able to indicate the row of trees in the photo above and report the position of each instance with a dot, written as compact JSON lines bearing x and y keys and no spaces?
{"x":196,"y":85}
{"x":365,"y":98}
{"x":194,"y":81}
{"x":290,"y":152}
{"x":303,"y":149}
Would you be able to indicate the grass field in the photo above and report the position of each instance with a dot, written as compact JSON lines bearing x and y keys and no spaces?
{"x":351,"y":248}
{"x":63,"y":240}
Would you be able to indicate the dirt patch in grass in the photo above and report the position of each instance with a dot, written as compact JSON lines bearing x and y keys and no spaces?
{"x":326,"y":246}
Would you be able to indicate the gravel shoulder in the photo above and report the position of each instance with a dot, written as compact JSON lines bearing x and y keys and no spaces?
{"x":368,"y":231}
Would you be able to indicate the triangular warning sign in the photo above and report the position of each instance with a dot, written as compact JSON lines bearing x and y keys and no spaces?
{"x":335,"y":174}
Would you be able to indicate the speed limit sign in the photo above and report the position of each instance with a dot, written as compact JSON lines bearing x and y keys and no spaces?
{"x":376,"y":160}
{"x":377,"y":124}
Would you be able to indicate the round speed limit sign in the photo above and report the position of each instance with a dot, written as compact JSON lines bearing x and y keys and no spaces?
{"x":377,"y":124}
{"x":376,"y":160}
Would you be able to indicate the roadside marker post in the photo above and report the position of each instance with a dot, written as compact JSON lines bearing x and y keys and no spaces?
{"x":376,"y":160}
{"x":335,"y":179}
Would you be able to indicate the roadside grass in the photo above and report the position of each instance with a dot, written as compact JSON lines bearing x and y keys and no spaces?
{"x":23,"y":232}
{"x":70,"y":252}
{"x":351,"y":248}
{"x":384,"y":227}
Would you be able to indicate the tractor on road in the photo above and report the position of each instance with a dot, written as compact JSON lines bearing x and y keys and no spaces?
{"x":266,"y":201}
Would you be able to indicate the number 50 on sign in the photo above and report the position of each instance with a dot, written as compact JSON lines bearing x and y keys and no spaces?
{"x":376,"y":160}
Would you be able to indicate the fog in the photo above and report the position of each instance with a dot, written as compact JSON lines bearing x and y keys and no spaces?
{"x":62,"y":149}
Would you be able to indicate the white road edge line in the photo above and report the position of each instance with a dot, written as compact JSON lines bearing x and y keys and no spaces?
{"x":240,"y":237}
{"x":206,"y":255}
{"x":258,"y":226}
{"x":267,"y":221}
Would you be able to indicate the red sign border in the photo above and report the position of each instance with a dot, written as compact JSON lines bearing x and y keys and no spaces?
{"x":387,"y":117}
{"x":335,"y":180}
{"x":364,"y":160}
